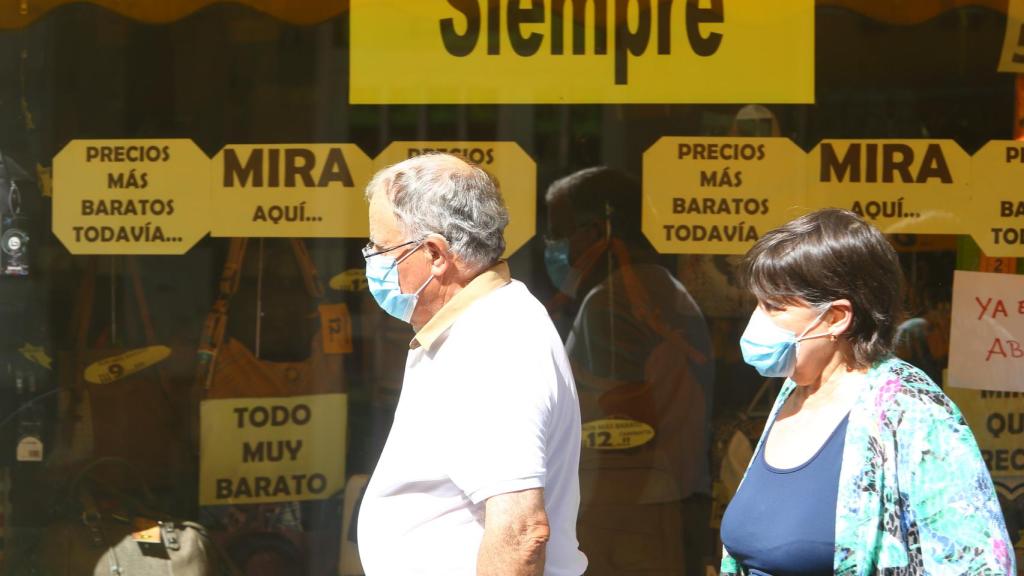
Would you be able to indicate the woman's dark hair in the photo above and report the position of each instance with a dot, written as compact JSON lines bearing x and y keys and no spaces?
{"x":826,"y":256}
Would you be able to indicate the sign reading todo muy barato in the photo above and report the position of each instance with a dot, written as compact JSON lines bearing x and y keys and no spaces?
{"x":255,"y":450}
{"x":130,"y":196}
{"x":900,"y":186}
{"x":718,"y":195}
{"x":290,"y":190}
{"x":513,"y":168}
{"x":581,"y":51}
{"x":997,"y":202}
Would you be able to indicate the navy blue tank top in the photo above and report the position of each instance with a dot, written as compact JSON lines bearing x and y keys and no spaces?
{"x":782,"y":522}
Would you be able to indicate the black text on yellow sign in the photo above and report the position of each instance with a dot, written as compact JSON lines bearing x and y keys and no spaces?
{"x":290,"y":190}
{"x":130,"y":196}
{"x":260,"y":450}
{"x":902,"y":187}
{"x":581,"y":51}
{"x":996,"y":210}
{"x":718,"y":195}
{"x":514,"y":170}
{"x":997,"y":419}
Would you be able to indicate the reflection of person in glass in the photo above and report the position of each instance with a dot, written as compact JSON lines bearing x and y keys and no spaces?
{"x":479,"y":474}
{"x":865,"y":466}
{"x":640,"y":352}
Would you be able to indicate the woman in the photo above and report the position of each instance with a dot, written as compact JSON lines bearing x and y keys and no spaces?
{"x":865,"y":466}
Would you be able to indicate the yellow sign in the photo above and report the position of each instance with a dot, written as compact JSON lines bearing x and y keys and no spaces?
{"x":719,"y":195}
{"x":997,"y":420}
{"x":116,"y":367}
{"x":290,"y":190}
{"x":130,"y":196}
{"x":616,"y":434}
{"x":513,"y":168}
{"x":900,"y":186}
{"x":997,"y":207}
{"x":255,"y":450}
{"x":1012,"y":57}
{"x":583,"y":51}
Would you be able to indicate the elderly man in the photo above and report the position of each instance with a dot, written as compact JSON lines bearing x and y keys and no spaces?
{"x":480,"y":471}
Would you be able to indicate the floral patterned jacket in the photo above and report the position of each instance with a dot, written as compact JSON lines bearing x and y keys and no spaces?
{"x":914,"y":494}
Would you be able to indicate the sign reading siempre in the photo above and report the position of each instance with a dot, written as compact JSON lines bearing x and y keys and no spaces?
{"x":130,"y":196}
{"x":900,"y":186}
{"x":986,"y":347}
{"x":581,"y":51}
{"x":513,"y":168}
{"x":255,"y":450}
{"x":997,"y":203}
{"x":718,"y":195}
{"x":290,"y":190}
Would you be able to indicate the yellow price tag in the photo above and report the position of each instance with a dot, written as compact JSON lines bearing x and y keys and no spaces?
{"x":336,"y":328}
{"x":616,"y":434}
{"x":116,"y":367}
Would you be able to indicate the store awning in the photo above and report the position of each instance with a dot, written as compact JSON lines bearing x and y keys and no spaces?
{"x":19,"y":13}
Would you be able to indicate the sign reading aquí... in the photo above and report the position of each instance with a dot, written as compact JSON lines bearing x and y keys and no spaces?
{"x":513,"y":168}
{"x":290,"y":190}
{"x":581,"y":51}
{"x":718,"y":195}
{"x":900,"y":186}
{"x":130,"y":196}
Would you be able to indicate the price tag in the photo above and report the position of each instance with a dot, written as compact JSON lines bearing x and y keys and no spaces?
{"x":116,"y":367}
{"x":616,"y":434}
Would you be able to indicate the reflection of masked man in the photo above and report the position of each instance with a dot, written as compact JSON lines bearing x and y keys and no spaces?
{"x":640,"y":351}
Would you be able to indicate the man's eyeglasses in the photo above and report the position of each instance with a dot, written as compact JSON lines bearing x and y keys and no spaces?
{"x":371,"y":249}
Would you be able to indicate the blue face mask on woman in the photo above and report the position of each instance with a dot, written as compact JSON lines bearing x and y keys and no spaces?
{"x":382,"y":279}
{"x":771,"y":349}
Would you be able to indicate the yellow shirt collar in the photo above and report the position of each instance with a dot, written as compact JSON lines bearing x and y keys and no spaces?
{"x":489,"y":280}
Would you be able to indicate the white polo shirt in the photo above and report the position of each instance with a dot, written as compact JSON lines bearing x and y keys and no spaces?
{"x":488,"y":406}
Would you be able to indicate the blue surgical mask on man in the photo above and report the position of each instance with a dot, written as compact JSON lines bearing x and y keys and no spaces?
{"x":771,"y":349}
{"x":382,"y":279}
{"x":556,"y":261}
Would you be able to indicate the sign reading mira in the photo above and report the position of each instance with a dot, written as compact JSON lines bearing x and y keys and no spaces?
{"x":581,"y":51}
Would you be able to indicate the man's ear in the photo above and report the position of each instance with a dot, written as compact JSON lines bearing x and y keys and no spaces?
{"x":840,"y":317}
{"x":436,"y":248}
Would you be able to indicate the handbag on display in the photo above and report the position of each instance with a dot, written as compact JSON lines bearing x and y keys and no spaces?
{"x":230,"y":369}
{"x":117,"y":400}
{"x":99,"y":530}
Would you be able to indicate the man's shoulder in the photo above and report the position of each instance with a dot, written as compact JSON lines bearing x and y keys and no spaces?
{"x":512,"y":302}
{"x":509,"y":315}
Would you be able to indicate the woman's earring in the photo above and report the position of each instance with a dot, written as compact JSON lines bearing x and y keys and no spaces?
{"x":832,"y":337}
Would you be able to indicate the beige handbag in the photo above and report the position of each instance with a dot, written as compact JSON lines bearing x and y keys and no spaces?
{"x":102,"y":531}
{"x":229,"y":369}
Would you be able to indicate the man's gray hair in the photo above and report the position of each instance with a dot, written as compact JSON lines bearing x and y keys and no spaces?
{"x":442,"y":194}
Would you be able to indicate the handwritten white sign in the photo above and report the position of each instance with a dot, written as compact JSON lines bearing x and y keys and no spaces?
{"x":986,"y":347}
